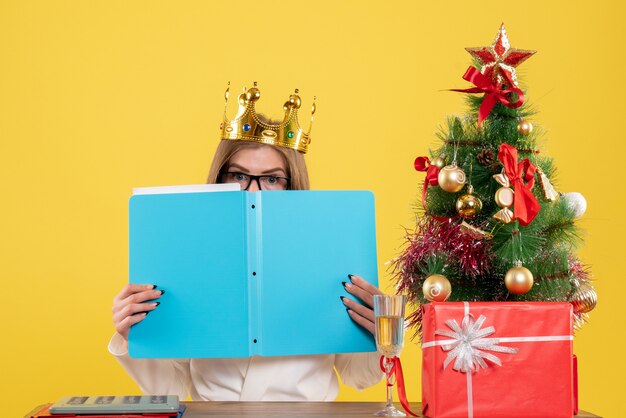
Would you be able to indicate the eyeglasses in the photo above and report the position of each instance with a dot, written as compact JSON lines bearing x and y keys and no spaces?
{"x":263,"y":182}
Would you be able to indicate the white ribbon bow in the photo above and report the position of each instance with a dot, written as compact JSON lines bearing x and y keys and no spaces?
{"x":467,"y":350}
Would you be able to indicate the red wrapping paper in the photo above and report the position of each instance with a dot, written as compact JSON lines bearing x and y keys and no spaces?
{"x":537,"y":381}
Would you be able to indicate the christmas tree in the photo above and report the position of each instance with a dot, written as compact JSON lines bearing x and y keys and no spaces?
{"x":491,"y":225}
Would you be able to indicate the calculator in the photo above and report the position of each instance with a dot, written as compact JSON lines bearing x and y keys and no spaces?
{"x":115,"y":404}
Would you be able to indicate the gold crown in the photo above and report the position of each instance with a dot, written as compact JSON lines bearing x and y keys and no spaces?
{"x":247,"y":127}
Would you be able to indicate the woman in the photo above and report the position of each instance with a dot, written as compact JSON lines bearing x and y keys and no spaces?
{"x":259,"y":155}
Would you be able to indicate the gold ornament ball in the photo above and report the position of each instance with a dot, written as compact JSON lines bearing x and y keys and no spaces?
{"x":524,"y":127}
{"x":438,"y":162}
{"x":468,"y":206}
{"x":519,"y":280}
{"x":584,"y":299}
{"x":436,"y":288}
{"x":451,"y":178}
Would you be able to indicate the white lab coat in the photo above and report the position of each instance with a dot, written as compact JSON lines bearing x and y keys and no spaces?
{"x":293,"y":378}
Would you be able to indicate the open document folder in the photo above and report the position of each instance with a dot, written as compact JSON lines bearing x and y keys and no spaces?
{"x":250,"y":273}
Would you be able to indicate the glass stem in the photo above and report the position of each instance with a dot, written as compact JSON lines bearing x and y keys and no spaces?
{"x":390,"y":382}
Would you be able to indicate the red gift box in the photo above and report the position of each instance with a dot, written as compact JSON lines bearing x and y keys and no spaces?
{"x":497,"y":359}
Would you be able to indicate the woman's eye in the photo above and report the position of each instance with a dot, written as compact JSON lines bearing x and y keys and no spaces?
{"x":240,"y":177}
{"x":271,"y":179}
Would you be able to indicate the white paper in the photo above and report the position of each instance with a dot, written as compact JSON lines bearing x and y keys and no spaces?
{"x":191,"y":188}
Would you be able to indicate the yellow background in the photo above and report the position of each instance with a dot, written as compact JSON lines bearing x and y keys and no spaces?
{"x":100,"y":97}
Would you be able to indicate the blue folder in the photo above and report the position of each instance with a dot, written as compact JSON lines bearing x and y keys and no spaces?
{"x":250,"y":274}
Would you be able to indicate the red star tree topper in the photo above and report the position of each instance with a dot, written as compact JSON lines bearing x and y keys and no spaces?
{"x":499,"y":59}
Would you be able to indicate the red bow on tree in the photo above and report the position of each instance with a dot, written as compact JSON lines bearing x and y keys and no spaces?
{"x":526,"y":204}
{"x":432,"y":173}
{"x":493,"y":93}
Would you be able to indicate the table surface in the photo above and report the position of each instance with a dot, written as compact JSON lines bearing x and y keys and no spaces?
{"x":292,"y":409}
{"x":296,"y":409}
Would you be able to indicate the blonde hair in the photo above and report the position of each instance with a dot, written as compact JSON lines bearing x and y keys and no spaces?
{"x":294,"y":160}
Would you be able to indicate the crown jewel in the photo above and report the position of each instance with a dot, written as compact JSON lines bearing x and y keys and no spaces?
{"x":248,"y":127}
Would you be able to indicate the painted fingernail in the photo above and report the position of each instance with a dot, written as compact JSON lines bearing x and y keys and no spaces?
{"x":157,"y":303}
{"x":162,"y":291}
{"x":154,"y":286}
{"x":341,"y":297}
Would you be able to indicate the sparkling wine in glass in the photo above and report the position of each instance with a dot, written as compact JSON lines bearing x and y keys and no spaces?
{"x":389,"y":316}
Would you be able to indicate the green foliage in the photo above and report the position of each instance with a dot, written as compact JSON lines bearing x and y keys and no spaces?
{"x":557,"y":225}
{"x":513,"y":242}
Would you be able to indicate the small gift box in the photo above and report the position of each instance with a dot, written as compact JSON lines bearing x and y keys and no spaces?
{"x":497,"y":359}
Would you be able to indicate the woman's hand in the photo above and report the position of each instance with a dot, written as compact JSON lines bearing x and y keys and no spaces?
{"x":130,"y":306}
{"x":361,"y":314}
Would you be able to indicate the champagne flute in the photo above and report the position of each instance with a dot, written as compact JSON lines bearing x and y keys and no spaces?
{"x":389,"y":317}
